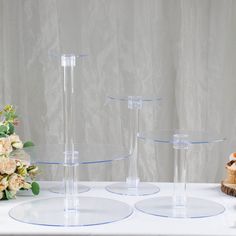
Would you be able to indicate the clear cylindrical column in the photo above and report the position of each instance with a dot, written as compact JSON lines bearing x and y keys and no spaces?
{"x":134,"y":104}
{"x":180,"y":145}
{"x":68,"y":63}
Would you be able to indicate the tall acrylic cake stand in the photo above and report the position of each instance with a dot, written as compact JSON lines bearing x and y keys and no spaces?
{"x":133,"y":186}
{"x":71,"y":210}
{"x":179,"y":205}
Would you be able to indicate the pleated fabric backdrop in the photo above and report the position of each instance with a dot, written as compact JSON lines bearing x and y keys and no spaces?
{"x":183,"y":51}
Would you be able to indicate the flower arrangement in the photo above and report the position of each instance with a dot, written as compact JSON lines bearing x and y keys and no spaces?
{"x":16,"y":173}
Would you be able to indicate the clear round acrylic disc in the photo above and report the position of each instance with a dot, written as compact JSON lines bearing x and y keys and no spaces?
{"x":61,"y":189}
{"x":195,"y":208}
{"x":50,"y":212}
{"x":141,"y":190}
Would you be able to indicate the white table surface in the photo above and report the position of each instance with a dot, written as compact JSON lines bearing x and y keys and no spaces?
{"x":138,"y":223}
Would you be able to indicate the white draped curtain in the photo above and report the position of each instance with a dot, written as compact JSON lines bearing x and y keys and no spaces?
{"x":181,"y":50}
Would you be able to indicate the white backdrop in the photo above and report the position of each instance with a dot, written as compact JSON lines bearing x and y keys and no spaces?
{"x":183,"y":51}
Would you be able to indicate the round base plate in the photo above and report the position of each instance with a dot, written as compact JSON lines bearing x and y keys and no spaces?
{"x":196,"y":208}
{"x":50,"y":212}
{"x":141,"y":190}
{"x":61,"y":190}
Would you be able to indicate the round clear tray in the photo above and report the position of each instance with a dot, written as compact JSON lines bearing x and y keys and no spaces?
{"x":84,"y":154}
{"x":194,"y":137}
{"x":61,"y":190}
{"x":91,"y":211}
{"x":195,"y":208}
{"x":141,"y":189}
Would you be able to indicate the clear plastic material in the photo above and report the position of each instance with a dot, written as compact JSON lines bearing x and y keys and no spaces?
{"x":132,"y":186}
{"x":179,"y":205}
{"x":90,"y":211}
{"x":142,"y":189}
{"x":71,"y":156}
{"x":71,"y":210}
{"x":194,"y":137}
{"x":180,"y":145}
{"x":87,"y":153}
{"x":195,"y":207}
{"x":61,"y":190}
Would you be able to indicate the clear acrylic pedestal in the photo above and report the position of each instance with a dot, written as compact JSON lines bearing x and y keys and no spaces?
{"x":133,"y":186}
{"x":179,"y":205}
{"x":71,"y":210}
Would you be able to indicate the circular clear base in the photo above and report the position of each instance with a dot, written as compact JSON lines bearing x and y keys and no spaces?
{"x":61,"y":189}
{"x":124,"y":189}
{"x":196,"y":208}
{"x":50,"y":212}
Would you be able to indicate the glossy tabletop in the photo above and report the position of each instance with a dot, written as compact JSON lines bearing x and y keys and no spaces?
{"x":138,"y":223}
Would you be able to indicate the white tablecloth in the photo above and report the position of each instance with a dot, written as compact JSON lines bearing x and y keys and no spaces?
{"x":138,"y":223}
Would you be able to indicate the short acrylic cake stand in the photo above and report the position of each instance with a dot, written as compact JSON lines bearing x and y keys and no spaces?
{"x":133,"y":186}
{"x":179,"y":205}
{"x":71,"y":210}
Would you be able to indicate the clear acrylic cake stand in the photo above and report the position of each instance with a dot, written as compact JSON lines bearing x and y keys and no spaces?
{"x":133,"y":186}
{"x":71,"y":210}
{"x":179,"y":205}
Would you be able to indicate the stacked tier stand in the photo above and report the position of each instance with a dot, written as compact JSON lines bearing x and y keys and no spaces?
{"x":179,"y":205}
{"x":133,"y":186}
{"x":71,"y":210}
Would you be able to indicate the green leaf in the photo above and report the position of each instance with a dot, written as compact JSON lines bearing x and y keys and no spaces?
{"x":2,"y":135}
{"x":8,"y":194}
{"x":35,"y":188}
{"x":3,"y":129}
{"x":11,"y":129}
{"x":8,"y":116}
{"x":28,"y":144}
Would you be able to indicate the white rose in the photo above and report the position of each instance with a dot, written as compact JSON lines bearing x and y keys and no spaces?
{"x":17,"y":145}
{"x":3,"y":184}
{"x":15,"y":182}
{"x":26,"y":185}
{"x":21,"y":157}
{"x":5,"y":146}
{"x":33,"y":171}
{"x":7,"y":166}
{"x":15,"y":141}
{"x":14,"y":138}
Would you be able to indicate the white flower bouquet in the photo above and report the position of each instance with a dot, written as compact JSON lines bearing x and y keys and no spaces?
{"x":16,"y":173}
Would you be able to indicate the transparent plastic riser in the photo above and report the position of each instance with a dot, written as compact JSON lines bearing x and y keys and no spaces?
{"x":179,"y":205}
{"x":135,"y":106}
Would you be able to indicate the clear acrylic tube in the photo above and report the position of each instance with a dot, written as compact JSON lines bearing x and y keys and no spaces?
{"x":134,"y":104}
{"x":180,"y":145}
{"x":68,"y":63}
